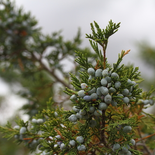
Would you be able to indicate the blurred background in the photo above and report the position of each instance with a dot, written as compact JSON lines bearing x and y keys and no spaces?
{"x":136,"y":33}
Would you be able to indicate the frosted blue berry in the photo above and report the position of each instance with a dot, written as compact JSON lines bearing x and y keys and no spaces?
{"x":75,"y":109}
{"x":127,"y":129}
{"x":72,"y":142}
{"x":114,"y":76}
{"x":91,"y":109}
{"x":98,"y":73}
{"x":16,"y":136}
{"x":73,"y":97}
{"x":132,"y":141}
{"x":22,"y":130}
{"x":92,"y":123}
{"x":87,"y":98}
{"x":108,"y":99}
{"x":34,"y":121}
{"x":81,"y":148}
{"x":125,"y":92}
{"x":81,"y":93}
{"x":112,"y":90}
{"x":78,"y":115}
{"x":84,"y":85}
{"x":126,"y":100}
{"x":105,"y":72}
{"x":145,"y":102}
{"x":90,"y":77}
{"x":98,"y":112}
{"x":16,"y":127}
{"x":133,"y":83}
{"x":80,"y":139}
{"x":91,"y":71}
{"x":116,"y":147}
{"x":108,"y":79}
{"x":151,"y":102}
{"x":98,"y":91}
{"x":40,"y":121}
{"x":104,"y":82}
{"x":124,"y":149}
{"x":129,"y":81}
{"x":94,"y":96}
{"x":102,"y":106}
{"x":93,"y":90}
{"x":73,"y":118}
{"x":82,"y":112}
{"x":58,"y":137}
{"x":56,"y":114}
{"x":104,"y":90}
{"x":113,"y":103}
{"x":129,"y":153}
{"x":117,"y":84}
{"x":62,"y":146}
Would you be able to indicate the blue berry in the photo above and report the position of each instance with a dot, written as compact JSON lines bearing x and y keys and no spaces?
{"x":116,"y":147}
{"x":112,"y":90}
{"x":40,"y":121}
{"x":94,"y":96}
{"x":16,"y":127}
{"x":62,"y":146}
{"x":93,"y":90}
{"x":34,"y":121}
{"x":98,"y":73}
{"x":75,"y":109}
{"x":81,"y":93}
{"x":124,"y":149}
{"x":91,"y":71}
{"x":108,"y":99}
{"x":56,"y":114}
{"x":113,"y":103}
{"x":145,"y":102}
{"x":73,"y":97}
{"x":104,"y":82}
{"x":98,"y":113}
{"x":102,"y":106}
{"x":73,"y":118}
{"x":22,"y":130}
{"x":58,"y":137}
{"x":104,"y":90}
{"x":132,"y":141}
{"x":108,"y":79}
{"x":81,"y":148}
{"x":80,"y":139}
{"x":125,"y":92}
{"x":127,"y":129}
{"x":117,"y":84}
{"x":72,"y":142}
{"x":105,"y":72}
{"x":82,"y":112}
{"x":126,"y":100}
{"x":151,"y":102}
{"x":78,"y":115}
{"x":84,"y":85}
{"x":87,"y":98}
{"x":115,"y":76}
{"x":98,"y":91}
{"x":91,"y":109}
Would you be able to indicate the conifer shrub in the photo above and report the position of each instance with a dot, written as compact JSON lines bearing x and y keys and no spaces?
{"x":108,"y":116}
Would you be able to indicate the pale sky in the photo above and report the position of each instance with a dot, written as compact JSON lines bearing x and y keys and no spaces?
{"x":136,"y":17}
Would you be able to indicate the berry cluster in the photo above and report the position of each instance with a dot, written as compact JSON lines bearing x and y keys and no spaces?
{"x":104,"y":88}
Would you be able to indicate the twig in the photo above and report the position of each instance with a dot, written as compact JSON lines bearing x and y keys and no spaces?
{"x":143,"y":143}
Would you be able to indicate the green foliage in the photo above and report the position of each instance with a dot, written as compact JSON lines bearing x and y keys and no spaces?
{"x":108,"y":104}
